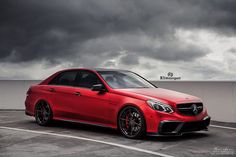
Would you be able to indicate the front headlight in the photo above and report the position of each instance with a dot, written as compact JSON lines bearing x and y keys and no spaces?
{"x":160,"y":106}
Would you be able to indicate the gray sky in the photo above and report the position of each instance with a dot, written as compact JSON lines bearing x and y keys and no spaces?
{"x":194,"y":39}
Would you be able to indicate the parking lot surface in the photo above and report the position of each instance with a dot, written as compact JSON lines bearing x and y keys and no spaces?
{"x":20,"y":136}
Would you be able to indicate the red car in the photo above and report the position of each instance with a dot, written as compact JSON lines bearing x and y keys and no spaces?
{"x":118,"y":99}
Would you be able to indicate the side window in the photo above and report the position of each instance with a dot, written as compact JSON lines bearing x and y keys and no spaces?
{"x":87,"y":79}
{"x":65,"y":79}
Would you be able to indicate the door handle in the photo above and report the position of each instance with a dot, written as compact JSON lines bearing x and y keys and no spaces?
{"x":77,"y":93}
{"x":51,"y":90}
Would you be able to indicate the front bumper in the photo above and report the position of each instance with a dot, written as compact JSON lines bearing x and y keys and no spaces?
{"x":177,"y":127}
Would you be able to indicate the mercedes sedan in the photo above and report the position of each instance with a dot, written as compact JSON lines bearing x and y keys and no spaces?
{"x":118,"y":99}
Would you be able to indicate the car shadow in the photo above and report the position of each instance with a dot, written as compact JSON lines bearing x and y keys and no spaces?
{"x":72,"y":126}
{"x":184,"y":137}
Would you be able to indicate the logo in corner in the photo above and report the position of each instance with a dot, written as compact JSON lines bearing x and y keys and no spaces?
{"x":170,"y":76}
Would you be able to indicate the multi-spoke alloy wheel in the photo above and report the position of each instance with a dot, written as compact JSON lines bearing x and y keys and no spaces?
{"x":43,"y":113}
{"x":131,"y":122}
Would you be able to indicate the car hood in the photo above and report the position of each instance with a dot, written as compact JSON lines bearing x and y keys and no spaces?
{"x":160,"y":94}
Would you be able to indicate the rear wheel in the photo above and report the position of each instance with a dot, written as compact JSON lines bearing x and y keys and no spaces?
{"x":43,"y":113}
{"x":131,"y":122}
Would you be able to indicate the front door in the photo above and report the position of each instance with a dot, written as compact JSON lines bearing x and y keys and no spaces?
{"x":94,"y":105}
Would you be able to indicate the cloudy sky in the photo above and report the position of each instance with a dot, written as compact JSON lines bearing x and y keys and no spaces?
{"x":194,"y":39}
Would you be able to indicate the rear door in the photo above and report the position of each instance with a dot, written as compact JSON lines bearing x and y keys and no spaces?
{"x":63,"y":94}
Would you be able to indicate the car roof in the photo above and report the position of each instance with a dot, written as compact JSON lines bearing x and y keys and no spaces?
{"x":95,"y":69}
{"x":105,"y":69}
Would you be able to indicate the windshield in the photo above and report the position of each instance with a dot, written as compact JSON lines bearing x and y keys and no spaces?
{"x":124,"y":79}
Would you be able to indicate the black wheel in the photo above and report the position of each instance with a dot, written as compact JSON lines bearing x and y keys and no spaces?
{"x":43,"y":113}
{"x":131,"y":122}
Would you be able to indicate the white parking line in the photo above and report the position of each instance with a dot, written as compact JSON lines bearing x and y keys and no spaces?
{"x":223,"y":127}
{"x":89,"y":139}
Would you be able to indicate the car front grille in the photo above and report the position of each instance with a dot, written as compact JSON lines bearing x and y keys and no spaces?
{"x":190,"y":109}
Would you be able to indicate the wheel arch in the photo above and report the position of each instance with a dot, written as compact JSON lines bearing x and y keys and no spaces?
{"x":42,"y":100}
{"x":127,"y":105}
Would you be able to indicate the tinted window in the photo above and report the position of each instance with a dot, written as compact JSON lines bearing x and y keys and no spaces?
{"x":124,"y":79}
{"x":65,"y":78}
{"x":87,"y":79}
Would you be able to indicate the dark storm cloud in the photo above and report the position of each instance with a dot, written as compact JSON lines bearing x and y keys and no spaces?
{"x":57,"y":30}
{"x":167,"y":51}
{"x":216,"y":14}
{"x":175,"y":52}
{"x":130,"y":59}
{"x":232,"y":51}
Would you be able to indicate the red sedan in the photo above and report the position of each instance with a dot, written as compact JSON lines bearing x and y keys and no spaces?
{"x":118,"y":99}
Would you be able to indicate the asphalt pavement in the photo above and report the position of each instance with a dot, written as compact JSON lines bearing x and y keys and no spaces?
{"x":20,"y":136}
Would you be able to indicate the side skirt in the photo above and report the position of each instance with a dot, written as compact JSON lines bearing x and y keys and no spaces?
{"x":85,"y":122}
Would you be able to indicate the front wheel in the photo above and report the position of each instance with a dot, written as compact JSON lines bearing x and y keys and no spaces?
{"x":131,"y":122}
{"x":43,"y":113}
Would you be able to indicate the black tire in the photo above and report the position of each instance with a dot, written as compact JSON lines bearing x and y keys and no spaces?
{"x":131,"y":122}
{"x":43,"y":113}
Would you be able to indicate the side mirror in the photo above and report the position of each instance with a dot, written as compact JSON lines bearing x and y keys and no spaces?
{"x":98,"y":87}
